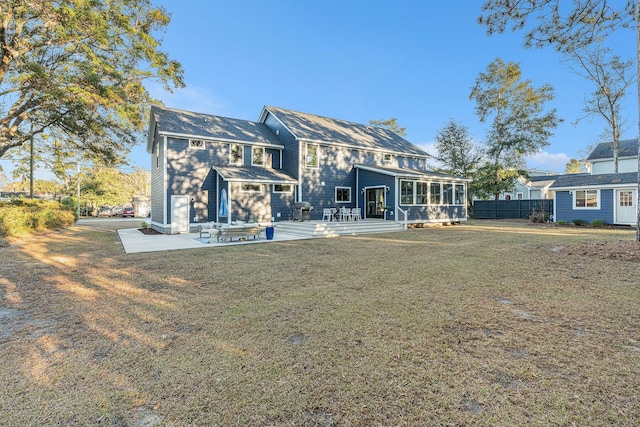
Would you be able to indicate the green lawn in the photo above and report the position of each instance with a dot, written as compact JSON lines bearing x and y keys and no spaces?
{"x":482,"y":324}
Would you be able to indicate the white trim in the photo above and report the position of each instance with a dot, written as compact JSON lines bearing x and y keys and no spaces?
{"x":582,"y":208}
{"x":593,"y":187}
{"x":412,"y":174}
{"x":222,"y":140}
{"x":241,"y":162}
{"x":165,"y":181}
{"x":361,"y":148}
{"x":335,"y":194}
{"x":273,"y":189}
{"x":263,"y":156}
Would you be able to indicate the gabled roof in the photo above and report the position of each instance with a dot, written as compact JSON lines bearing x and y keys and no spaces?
{"x":188,"y":124}
{"x":254,"y":174}
{"x":410,"y":173}
{"x":600,"y":180}
{"x":604,"y":150}
{"x":312,"y":128}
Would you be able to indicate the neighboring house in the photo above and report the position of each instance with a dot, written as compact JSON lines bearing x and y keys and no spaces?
{"x":601,"y":194}
{"x":536,"y":187}
{"x":211,"y":168}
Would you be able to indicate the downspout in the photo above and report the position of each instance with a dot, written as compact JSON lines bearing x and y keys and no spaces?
{"x":356,"y":189}
{"x":165,"y":179}
{"x":301,"y":158}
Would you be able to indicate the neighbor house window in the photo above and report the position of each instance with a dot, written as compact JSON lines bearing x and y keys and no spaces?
{"x":250,"y":188}
{"x":626,"y":198}
{"x":311,"y":156}
{"x":519,"y":196}
{"x":386,"y":158}
{"x":235,"y":156}
{"x":586,"y":199}
{"x":343,"y":195}
{"x":458,"y":196}
{"x":447,"y":194}
{"x":406,"y":192}
{"x":422,"y":193}
{"x":257,"y":156}
{"x":197,"y":144}
{"x":282,"y":188}
{"x":435,"y":193}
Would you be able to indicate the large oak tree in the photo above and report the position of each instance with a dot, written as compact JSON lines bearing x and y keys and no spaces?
{"x":74,"y":71}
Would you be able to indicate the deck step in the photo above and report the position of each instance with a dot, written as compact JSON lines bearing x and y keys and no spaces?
{"x":334,"y":229}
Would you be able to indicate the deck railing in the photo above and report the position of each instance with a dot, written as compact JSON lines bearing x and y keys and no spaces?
{"x":404,"y":215}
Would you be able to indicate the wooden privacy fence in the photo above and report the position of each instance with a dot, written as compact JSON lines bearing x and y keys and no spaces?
{"x":510,"y":209}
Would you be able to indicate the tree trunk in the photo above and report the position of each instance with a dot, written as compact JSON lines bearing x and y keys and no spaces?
{"x":638,"y":83}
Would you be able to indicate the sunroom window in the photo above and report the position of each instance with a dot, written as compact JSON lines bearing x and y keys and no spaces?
{"x":406,"y":192}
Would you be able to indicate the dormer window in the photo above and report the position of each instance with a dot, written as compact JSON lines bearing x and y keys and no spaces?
{"x":235,"y":154}
{"x":386,"y":157}
{"x":196,"y":144}
{"x":257,"y":156}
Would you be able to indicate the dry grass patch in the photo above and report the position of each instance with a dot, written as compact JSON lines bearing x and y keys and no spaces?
{"x":482,"y":324}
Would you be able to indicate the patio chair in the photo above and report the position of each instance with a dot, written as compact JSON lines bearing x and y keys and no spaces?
{"x":355,"y":214}
{"x":326,"y":214}
{"x":345,"y":214}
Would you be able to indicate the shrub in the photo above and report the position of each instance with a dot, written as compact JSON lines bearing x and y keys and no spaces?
{"x":22,"y":216}
{"x":597,"y":223}
{"x":561,"y":222}
{"x":578,"y":221}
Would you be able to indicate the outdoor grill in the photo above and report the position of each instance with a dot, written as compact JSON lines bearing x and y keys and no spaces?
{"x":302,"y":211}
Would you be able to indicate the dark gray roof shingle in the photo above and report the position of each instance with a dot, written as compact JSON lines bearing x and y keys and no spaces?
{"x":588,"y":180}
{"x":207,"y":126}
{"x":254,"y":174}
{"x":604,"y":150}
{"x":323,"y":129}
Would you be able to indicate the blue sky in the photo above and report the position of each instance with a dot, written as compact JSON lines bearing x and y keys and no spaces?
{"x":362,"y":60}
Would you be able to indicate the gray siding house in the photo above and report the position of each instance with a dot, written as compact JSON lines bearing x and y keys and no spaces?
{"x":601,"y":194}
{"x":212,"y":168}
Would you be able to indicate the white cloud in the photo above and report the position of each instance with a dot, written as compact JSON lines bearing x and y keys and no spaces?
{"x":552,"y":162}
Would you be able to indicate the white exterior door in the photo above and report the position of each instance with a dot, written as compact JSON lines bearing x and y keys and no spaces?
{"x":179,"y":214}
{"x":626,"y":207}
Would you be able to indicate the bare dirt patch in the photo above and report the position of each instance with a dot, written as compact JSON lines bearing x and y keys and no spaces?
{"x":623,"y":250}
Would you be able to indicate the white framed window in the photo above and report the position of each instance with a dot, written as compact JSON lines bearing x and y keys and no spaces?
{"x":343,"y":195}
{"x":626,"y":198}
{"x":519,"y":195}
{"x":282,"y":188}
{"x":196,"y":144}
{"x":435,"y":193}
{"x":250,"y":188}
{"x":422,"y":193}
{"x":257,"y":156}
{"x":236,"y":154}
{"x":458,"y":195}
{"x":406,"y":192}
{"x":586,"y":199}
{"x":311,"y":155}
{"x":386,"y":158}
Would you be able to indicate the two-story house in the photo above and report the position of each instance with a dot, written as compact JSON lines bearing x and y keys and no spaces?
{"x":212,"y":168}
{"x":601,"y":194}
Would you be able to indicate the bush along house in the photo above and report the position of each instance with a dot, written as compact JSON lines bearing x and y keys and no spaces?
{"x":211,"y":168}
{"x":601,"y":194}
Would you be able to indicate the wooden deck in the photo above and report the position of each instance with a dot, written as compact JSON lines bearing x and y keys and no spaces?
{"x":334,"y":229}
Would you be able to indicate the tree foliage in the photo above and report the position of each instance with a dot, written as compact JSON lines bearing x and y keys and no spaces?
{"x":74,"y":71}
{"x":573,"y":167}
{"x":456,"y":151}
{"x":548,"y":22}
{"x":391,"y":124}
{"x":519,"y":124}
{"x":612,"y":78}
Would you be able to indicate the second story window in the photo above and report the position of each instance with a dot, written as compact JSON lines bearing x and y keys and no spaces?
{"x":257,"y":156}
{"x":311,"y":156}
{"x":235,"y":155}
{"x":386,"y":158}
{"x":197,"y":144}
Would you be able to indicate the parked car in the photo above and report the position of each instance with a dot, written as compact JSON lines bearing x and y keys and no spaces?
{"x":144,"y":211}
{"x":105,"y":211}
{"x":117,"y":210}
{"x":128,"y":211}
